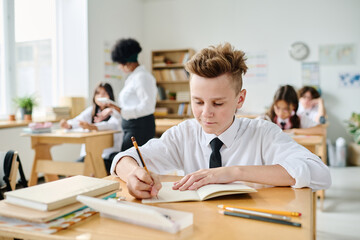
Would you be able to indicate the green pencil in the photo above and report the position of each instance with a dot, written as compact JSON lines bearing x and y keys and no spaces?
{"x":265,"y":219}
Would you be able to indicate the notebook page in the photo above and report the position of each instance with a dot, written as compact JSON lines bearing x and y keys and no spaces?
{"x":167,"y":194}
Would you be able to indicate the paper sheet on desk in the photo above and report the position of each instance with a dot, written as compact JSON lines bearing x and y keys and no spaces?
{"x":76,"y":130}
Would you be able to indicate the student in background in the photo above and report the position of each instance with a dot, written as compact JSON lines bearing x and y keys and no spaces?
{"x":311,"y":104}
{"x":88,"y":119}
{"x":217,"y":147}
{"x":137,"y":99}
{"x":283,"y":112}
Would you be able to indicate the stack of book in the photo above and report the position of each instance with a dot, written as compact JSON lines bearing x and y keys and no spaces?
{"x":183,"y":96}
{"x":184,"y":109}
{"x":161,"y":111}
{"x":51,"y":207}
{"x":170,"y":75}
{"x":159,"y":61}
{"x":38,"y":127}
{"x":58,"y":113}
{"x":76,"y":105}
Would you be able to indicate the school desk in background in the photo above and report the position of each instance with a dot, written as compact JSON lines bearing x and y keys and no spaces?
{"x":93,"y":165}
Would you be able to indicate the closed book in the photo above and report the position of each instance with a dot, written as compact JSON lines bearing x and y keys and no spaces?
{"x":56,"y":194}
{"x":37,"y":216}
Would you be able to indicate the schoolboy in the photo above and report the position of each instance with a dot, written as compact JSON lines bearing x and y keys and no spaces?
{"x":250,"y":150}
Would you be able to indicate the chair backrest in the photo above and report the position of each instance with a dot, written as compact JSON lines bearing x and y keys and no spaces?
{"x":11,"y":166}
{"x":14,"y":171}
{"x":2,"y":157}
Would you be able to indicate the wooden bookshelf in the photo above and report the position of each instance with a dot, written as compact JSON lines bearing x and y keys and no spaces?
{"x":172,"y":82}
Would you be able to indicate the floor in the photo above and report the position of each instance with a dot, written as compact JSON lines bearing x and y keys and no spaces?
{"x":340,"y":218}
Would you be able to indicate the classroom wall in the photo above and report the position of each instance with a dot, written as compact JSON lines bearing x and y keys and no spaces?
{"x":108,"y":21}
{"x":250,"y":25}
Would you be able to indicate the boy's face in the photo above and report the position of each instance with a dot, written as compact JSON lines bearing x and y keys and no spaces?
{"x":214,"y":102}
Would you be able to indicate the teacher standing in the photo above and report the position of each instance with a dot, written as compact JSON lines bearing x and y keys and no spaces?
{"x":137,"y":99}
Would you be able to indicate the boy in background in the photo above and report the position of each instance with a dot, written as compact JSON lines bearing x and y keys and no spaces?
{"x":216,"y":147}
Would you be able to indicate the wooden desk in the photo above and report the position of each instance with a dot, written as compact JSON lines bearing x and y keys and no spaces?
{"x":311,"y":142}
{"x":93,"y":165}
{"x":208,"y":223}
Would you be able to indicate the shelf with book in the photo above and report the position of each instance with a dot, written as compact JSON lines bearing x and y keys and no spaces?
{"x":172,"y":101}
{"x":173,"y":83}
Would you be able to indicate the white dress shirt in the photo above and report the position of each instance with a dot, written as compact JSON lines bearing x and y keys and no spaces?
{"x":114,"y":123}
{"x":246,"y":142}
{"x":306,"y":122}
{"x":309,"y":113}
{"x":138,"y":97}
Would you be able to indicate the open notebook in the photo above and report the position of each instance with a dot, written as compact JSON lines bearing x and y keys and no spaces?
{"x":167,"y":194}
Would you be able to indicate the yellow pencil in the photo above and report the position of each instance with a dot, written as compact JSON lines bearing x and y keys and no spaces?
{"x":141,"y":159}
{"x":286,"y":213}
{"x":138,"y":151}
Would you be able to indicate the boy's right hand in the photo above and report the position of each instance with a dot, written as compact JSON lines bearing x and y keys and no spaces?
{"x":142,"y":185}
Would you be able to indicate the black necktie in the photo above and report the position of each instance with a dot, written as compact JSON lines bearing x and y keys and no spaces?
{"x":215,"y":157}
{"x":283,"y":125}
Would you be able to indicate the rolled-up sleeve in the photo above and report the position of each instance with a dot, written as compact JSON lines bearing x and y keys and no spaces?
{"x":305,"y":167}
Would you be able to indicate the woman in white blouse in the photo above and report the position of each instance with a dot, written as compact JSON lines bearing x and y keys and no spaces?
{"x":137,"y":99}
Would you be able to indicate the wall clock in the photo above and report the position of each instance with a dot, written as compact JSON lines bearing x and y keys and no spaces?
{"x":299,"y":51}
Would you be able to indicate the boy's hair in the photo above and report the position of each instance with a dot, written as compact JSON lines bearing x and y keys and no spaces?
{"x":215,"y":61}
{"x":125,"y":50}
{"x":313,"y":92}
{"x":107,"y":87}
{"x":288,"y":94}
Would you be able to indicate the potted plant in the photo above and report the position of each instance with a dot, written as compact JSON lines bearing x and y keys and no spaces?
{"x":353,"y":127}
{"x":26,"y":105}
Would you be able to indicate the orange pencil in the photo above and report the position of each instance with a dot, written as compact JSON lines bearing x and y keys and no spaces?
{"x":138,"y":151}
{"x":286,"y":213}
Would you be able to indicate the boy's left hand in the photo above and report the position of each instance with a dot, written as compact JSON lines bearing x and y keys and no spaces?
{"x":203,"y":177}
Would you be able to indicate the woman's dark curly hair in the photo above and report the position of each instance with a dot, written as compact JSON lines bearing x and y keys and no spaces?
{"x":125,"y":50}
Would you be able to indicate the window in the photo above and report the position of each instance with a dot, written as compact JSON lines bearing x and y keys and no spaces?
{"x":27,"y":48}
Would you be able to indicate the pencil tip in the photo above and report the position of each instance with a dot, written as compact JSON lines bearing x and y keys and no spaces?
{"x":220,"y":206}
{"x":221,"y":211}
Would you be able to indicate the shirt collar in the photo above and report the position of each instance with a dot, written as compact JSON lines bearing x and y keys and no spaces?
{"x":226,"y":137}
